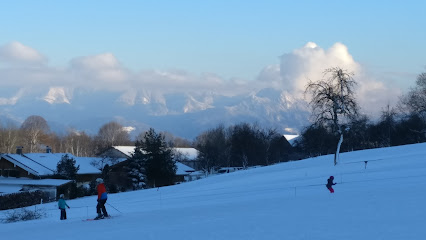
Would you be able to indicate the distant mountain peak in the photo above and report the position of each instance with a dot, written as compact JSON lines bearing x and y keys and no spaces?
{"x":57,"y":95}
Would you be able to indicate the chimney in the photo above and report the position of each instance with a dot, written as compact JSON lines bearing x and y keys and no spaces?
{"x":19,"y":150}
{"x":48,"y":149}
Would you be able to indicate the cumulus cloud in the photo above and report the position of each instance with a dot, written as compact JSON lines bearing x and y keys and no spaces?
{"x":18,"y":53}
{"x":99,"y":71}
{"x":104,"y":72}
{"x":309,"y":62}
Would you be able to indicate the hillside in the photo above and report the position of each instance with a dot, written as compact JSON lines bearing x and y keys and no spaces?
{"x":385,"y":200}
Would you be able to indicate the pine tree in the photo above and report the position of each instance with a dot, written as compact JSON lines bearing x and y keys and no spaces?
{"x":160,"y":165}
{"x":136,"y":167}
{"x":67,"y":167}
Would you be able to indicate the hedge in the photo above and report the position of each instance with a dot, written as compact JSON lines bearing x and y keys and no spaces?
{"x":22,"y":199}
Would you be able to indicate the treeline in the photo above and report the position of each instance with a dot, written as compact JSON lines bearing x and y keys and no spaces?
{"x":363,"y":133}
{"x":403,"y":124}
{"x":34,"y":135}
{"x":241,"y":145}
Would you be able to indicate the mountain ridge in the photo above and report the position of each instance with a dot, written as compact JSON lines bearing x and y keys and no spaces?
{"x":183,"y":114}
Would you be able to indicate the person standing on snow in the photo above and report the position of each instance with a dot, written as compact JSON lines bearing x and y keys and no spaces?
{"x":102,"y":198}
{"x":330,"y":184}
{"x":62,"y":206}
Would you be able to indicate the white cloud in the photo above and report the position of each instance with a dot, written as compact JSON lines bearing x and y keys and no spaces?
{"x":12,"y":100}
{"x":18,"y":53}
{"x":310,"y":61}
{"x":101,"y":71}
{"x":104,"y":72}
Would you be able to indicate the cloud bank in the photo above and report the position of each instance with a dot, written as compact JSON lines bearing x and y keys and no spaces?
{"x":22,"y":67}
{"x":309,"y":62}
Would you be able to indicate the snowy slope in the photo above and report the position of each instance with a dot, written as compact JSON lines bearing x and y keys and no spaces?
{"x":284,"y":201}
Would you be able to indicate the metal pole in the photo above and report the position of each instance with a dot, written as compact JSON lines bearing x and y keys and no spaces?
{"x":114,"y":207}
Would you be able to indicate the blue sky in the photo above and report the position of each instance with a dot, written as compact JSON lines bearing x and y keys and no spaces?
{"x":228,"y":38}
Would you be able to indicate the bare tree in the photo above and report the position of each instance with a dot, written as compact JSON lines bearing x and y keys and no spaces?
{"x":112,"y":134}
{"x":79,"y":143}
{"x":9,"y":135}
{"x":415,"y":100}
{"x":213,"y":148}
{"x":34,"y":127}
{"x":333,"y":100}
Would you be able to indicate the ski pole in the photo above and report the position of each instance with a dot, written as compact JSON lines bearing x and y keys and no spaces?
{"x":114,"y":208}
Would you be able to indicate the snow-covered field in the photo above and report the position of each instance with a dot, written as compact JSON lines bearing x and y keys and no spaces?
{"x":387,"y":200}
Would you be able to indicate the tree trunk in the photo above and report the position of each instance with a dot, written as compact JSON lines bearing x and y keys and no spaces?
{"x":336,"y":155}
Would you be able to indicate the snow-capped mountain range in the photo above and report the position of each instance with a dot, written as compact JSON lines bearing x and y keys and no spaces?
{"x":183,"y":114}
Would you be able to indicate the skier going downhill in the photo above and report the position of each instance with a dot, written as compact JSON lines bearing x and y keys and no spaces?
{"x":102,"y":198}
{"x":330,"y":184}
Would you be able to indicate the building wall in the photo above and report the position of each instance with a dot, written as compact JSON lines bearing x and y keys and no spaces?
{"x":6,"y":166}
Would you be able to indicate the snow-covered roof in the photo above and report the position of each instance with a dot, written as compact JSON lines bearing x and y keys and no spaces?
{"x":28,"y":164}
{"x":51,"y":160}
{"x":33,"y":182}
{"x":189,"y":153}
{"x":40,"y":164}
{"x":9,"y":189}
{"x":127,"y":150}
{"x":86,"y":166}
{"x":291,"y":138}
{"x":182,"y":169}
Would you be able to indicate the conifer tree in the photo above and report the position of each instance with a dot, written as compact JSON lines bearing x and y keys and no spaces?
{"x":67,"y":167}
{"x":136,"y":167}
{"x":160,"y":165}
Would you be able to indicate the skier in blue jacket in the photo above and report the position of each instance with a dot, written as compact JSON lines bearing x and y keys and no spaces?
{"x":62,"y":206}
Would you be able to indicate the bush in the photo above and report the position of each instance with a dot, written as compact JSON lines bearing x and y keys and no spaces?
{"x":23,"y":199}
{"x":24,"y":215}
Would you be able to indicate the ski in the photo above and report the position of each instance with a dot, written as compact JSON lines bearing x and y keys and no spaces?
{"x":96,"y":219}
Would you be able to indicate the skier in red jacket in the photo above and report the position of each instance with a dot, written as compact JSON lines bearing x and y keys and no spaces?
{"x":102,"y":198}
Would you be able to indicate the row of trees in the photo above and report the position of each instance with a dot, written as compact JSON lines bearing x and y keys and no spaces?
{"x":241,"y":145}
{"x":34,"y":135}
{"x":336,"y":113}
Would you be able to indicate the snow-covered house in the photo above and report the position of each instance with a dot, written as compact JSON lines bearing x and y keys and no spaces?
{"x":42,"y":165}
{"x":86,"y":172}
{"x":35,"y":168}
{"x":14,"y":185}
{"x":119,"y":154}
{"x":188,"y":156}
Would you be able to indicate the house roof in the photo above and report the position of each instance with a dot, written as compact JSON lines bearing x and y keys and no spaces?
{"x":41,"y":164}
{"x":291,"y":138}
{"x":9,"y":189}
{"x":29,"y":165}
{"x":182,"y":169}
{"x":189,"y":153}
{"x":32,"y":182}
{"x":51,"y":160}
{"x":13,"y":185}
{"x":127,"y":150}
